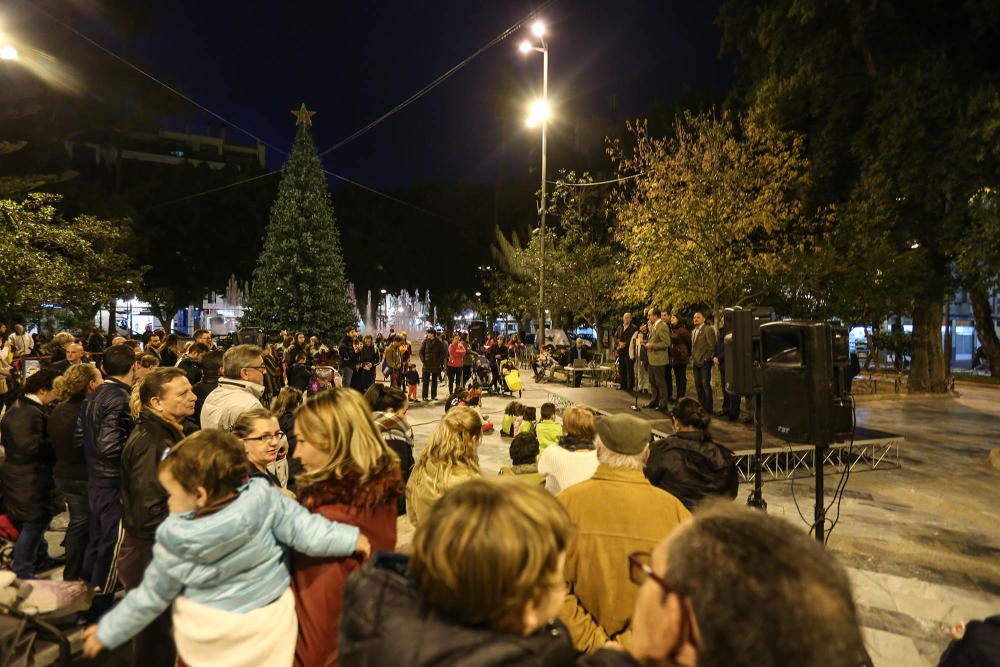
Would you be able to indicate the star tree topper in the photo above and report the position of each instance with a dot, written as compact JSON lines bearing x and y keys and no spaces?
{"x":303,"y":116}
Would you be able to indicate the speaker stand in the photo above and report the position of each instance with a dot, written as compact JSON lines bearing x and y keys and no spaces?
{"x":819,"y":515}
{"x":635,"y":406}
{"x":756,"y":498}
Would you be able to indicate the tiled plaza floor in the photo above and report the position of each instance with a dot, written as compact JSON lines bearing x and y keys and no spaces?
{"x":921,"y":542}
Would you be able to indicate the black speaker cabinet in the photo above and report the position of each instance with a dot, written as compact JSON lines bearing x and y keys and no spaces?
{"x":250,"y":336}
{"x":477,"y":334}
{"x":739,"y":351}
{"x":801,"y":401}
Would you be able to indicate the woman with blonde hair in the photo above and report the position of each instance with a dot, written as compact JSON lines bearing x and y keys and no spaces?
{"x":483,"y":587}
{"x":70,"y":472}
{"x":353,"y":477}
{"x":450,"y":458}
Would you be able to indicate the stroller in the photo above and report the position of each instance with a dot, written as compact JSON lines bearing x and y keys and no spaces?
{"x":323,"y":377}
{"x":482,"y":373}
{"x":511,"y":379}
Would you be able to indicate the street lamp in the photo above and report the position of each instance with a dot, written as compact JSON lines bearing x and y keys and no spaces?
{"x":539,"y":115}
{"x":8,"y":52}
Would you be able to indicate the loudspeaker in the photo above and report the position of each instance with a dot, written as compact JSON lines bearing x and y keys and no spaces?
{"x":742,"y":347}
{"x":801,"y":402}
{"x":477,"y":334}
{"x":738,"y":345}
{"x":250,"y":336}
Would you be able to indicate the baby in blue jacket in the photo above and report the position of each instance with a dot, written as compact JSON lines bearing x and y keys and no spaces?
{"x":219,"y":560}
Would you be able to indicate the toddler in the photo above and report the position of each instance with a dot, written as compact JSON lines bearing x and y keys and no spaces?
{"x":526,"y":422}
{"x":513,"y":410}
{"x":219,"y":559}
{"x":412,"y":380}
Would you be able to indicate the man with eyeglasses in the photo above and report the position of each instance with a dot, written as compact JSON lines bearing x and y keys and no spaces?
{"x":167,"y":399}
{"x":617,"y":512}
{"x":240,"y":387}
{"x":736,"y":587}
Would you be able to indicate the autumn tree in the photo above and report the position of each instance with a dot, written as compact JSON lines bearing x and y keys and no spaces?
{"x":707,"y":217}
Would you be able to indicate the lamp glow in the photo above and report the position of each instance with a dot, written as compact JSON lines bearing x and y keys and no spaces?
{"x":531,"y":122}
{"x":8,"y":53}
{"x":524,"y":47}
{"x":538,"y":29}
{"x":540,"y":110}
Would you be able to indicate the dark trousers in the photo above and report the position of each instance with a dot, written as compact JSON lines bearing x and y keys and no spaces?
{"x":703,"y":384}
{"x":456,"y":378}
{"x":626,"y":371}
{"x":431,"y":378}
{"x":29,"y":548}
{"x":153,"y":646}
{"x":105,"y":536}
{"x":75,"y":493}
{"x":680,"y":380}
{"x":658,"y":386}
{"x":395,"y":377}
{"x":346,"y":375}
{"x":730,"y":402}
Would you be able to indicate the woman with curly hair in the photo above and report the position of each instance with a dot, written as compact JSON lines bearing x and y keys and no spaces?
{"x":353,"y":477}
{"x":450,"y":458}
{"x":70,"y":471}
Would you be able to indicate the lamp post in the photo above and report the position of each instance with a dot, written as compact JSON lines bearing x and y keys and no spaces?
{"x":382,"y":308}
{"x":540,"y":115}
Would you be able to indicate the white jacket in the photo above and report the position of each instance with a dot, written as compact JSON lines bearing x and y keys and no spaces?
{"x":228,"y":401}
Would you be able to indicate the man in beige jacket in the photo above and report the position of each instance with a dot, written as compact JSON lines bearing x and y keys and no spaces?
{"x":618,"y":512}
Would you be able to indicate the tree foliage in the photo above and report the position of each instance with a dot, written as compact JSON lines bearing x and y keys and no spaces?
{"x":299,"y":282}
{"x":582,"y":259}
{"x":894,"y":101}
{"x":47,"y":259}
{"x":708,"y":217}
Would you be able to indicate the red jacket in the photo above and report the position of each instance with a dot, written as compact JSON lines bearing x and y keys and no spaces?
{"x":318,"y":583}
{"x":456,"y":355}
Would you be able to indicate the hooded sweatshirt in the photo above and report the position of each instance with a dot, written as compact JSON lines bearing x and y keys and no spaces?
{"x":690,"y":466}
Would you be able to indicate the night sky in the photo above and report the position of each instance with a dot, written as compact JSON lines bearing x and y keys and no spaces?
{"x":254,"y":60}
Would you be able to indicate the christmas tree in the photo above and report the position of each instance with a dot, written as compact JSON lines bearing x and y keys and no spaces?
{"x":299,"y":282}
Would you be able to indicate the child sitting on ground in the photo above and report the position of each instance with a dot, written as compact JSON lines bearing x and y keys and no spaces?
{"x":525,"y":423}
{"x":524,"y":457}
{"x":548,"y":429}
{"x":219,"y":560}
{"x":510,"y":414}
{"x":412,"y":380}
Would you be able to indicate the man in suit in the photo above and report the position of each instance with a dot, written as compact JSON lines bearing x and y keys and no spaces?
{"x":577,"y":352}
{"x":658,"y":353}
{"x":703,"y":340}
{"x":623,"y":336}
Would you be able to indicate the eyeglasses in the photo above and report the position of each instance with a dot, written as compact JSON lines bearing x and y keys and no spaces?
{"x":277,"y":435}
{"x":255,"y":368}
{"x":639,"y":569}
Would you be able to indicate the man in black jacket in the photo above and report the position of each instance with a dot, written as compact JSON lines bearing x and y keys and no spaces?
{"x":622,"y":337}
{"x":104,"y":426}
{"x":190,"y":363}
{"x":348,"y":357}
{"x":26,"y":473}
{"x":167,"y":400}
{"x":432,"y":356}
{"x":211,"y":366}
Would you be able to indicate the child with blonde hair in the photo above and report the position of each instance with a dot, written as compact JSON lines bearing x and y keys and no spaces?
{"x":219,"y":560}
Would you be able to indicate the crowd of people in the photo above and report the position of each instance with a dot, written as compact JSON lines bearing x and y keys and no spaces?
{"x":248,"y":531}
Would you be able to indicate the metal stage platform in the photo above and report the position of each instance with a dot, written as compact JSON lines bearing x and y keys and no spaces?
{"x":870,"y":450}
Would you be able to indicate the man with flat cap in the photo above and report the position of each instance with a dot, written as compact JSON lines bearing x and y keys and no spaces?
{"x":618,"y":512}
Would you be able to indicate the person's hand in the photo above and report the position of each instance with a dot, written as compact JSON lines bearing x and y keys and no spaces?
{"x":91,"y":644}
{"x":957,"y":631}
{"x":648,"y":346}
{"x":363,"y":546}
{"x":613,"y":645}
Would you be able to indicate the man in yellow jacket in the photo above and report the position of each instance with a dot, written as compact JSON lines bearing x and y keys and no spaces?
{"x":618,"y":512}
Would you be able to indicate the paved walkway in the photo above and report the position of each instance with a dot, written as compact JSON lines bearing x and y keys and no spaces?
{"x":921,"y":543}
